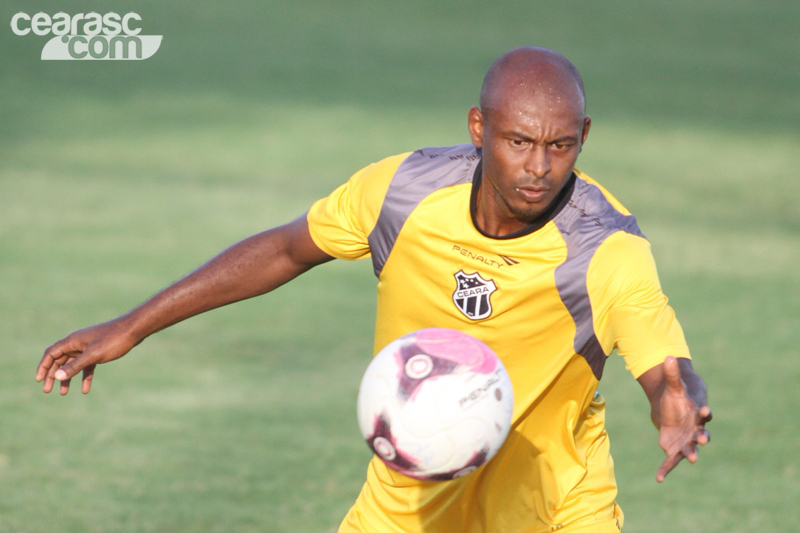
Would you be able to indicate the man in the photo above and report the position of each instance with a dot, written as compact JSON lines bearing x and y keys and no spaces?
{"x":563,"y":276}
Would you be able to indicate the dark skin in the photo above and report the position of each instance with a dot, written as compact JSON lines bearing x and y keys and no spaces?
{"x":531,"y":127}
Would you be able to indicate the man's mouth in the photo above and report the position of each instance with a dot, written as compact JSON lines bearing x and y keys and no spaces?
{"x":532,"y":194}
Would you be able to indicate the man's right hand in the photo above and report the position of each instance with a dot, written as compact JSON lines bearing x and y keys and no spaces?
{"x":83,"y":351}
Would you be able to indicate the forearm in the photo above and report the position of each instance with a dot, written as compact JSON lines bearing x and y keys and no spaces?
{"x":249,"y":268}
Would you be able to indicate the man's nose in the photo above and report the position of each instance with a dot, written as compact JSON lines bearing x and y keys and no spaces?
{"x":538,"y":161}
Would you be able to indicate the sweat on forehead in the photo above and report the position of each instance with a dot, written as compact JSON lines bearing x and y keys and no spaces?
{"x":535,"y":72}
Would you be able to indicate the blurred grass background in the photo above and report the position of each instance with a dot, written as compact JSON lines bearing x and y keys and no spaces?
{"x":117,"y":178}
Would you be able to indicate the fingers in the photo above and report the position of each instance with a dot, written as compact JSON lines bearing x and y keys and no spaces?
{"x":56,"y":373}
{"x":66,"y":371}
{"x":48,"y":359}
{"x":88,"y":374}
{"x":61,"y":362}
{"x":48,"y":384}
{"x":64,"y":389}
{"x":50,"y":371}
{"x":67,"y":346}
{"x":667,"y":466}
{"x":44,"y":365}
{"x":52,"y":376}
{"x":54,"y":358}
{"x":703,"y":437}
{"x":688,"y":452}
{"x":74,"y":365}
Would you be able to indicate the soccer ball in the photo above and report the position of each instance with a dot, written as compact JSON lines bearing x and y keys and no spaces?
{"x":435,"y":404}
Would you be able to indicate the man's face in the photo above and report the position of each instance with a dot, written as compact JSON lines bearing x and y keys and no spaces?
{"x":529,"y":145}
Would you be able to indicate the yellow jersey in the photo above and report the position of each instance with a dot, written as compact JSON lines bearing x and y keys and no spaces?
{"x":553,"y":301}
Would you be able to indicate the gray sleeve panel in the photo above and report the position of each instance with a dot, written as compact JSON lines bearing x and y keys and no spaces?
{"x":422,"y":173}
{"x":585,"y":223}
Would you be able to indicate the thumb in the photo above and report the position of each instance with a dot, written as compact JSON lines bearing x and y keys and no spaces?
{"x":672,"y":374}
{"x":72,"y":367}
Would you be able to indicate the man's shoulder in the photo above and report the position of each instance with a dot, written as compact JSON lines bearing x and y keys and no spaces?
{"x":590,"y":184}
{"x":592,"y":213}
{"x":424,"y":161}
{"x":458,"y":152}
{"x":439,"y":165}
{"x":426,"y":170}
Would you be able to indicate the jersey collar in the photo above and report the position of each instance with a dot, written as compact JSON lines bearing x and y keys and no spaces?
{"x":555,"y":208}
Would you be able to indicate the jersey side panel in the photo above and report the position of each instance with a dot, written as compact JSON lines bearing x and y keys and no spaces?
{"x":422,"y":173}
{"x":586,"y":221}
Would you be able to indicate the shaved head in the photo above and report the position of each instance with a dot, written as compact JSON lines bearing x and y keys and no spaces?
{"x":532,"y":72}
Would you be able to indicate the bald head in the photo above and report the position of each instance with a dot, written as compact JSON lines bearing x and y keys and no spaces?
{"x":532,"y":73}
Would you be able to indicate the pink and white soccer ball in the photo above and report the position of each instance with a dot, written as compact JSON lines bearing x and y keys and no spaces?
{"x":435,"y":404}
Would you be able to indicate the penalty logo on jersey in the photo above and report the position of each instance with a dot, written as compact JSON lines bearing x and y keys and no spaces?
{"x":473,"y":295}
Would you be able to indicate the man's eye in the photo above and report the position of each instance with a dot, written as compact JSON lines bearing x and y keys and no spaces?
{"x":518,"y":143}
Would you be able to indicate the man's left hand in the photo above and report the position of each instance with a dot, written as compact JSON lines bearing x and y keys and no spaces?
{"x":681,"y":421}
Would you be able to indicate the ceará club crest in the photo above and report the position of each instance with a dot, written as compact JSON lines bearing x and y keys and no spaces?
{"x":473,"y":295}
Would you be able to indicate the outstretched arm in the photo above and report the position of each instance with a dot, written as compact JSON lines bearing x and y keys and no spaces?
{"x":679,"y":409}
{"x":249,"y":268}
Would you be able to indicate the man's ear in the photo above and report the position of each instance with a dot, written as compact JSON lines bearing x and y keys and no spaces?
{"x":587,"y":123}
{"x":475,"y":126}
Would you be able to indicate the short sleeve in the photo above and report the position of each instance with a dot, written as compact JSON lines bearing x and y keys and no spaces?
{"x":340,"y":224}
{"x":630,"y":311}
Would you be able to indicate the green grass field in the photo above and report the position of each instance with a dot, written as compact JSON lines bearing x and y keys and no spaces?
{"x":116,"y":178}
